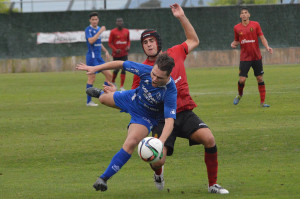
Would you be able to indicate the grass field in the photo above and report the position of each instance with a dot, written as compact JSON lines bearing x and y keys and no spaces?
{"x":53,"y":146}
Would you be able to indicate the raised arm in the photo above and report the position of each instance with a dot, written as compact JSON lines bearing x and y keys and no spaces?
{"x":192,"y":39}
{"x":93,"y":39}
{"x":106,"y":66}
{"x":265,"y":43}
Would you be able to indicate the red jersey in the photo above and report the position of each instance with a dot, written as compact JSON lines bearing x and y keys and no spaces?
{"x":248,"y":38}
{"x":119,"y":39}
{"x":178,"y":53}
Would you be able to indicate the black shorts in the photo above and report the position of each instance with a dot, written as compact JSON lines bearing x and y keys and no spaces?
{"x":124,"y":58}
{"x":186,"y":123}
{"x":246,"y":65}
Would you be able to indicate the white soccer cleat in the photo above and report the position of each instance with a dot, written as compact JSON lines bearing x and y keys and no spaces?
{"x":122,"y":89}
{"x":91,"y":103}
{"x":159,"y":181}
{"x":217,"y":189}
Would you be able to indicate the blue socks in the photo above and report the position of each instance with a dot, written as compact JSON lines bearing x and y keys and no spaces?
{"x":88,"y":98}
{"x":116,"y":164}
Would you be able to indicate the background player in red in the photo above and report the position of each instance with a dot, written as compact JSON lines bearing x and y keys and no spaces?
{"x":187,"y":124}
{"x":119,"y":42}
{"x":246,"y":34}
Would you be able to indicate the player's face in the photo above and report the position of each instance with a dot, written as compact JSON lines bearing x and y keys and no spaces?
{"x":245,"y":15}
{"x":150,"y":46}
{"x":159,"y":77}
{"x":119,"y":23}
{"x":94,"y":20}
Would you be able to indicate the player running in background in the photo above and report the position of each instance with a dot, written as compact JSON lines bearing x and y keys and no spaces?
{"x":119,"y":42}
{"x":153,"y":100}
{"x":246,"y":34}
{"x":187,"y":125}
{"x":93,"y":56}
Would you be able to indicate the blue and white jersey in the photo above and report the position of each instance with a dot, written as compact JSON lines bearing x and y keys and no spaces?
{"x":157,"y":102}
{"x":94,"y":50}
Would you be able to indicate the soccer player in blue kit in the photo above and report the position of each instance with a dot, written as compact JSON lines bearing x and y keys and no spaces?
{"x":93,"y":56}
{"x":152,"y":101}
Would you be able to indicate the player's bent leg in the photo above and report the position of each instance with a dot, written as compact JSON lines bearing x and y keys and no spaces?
{"x":136,"y":132}
{"x":204,"y":136}
{"x":108,"y":99}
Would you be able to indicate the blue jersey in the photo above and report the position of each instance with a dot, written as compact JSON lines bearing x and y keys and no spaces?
{"x":94,"y":50}
{"x":147,"y":104}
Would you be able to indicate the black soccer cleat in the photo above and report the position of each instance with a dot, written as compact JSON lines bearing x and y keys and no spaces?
{"x":93,"y":92}
{"x":100,"y":184}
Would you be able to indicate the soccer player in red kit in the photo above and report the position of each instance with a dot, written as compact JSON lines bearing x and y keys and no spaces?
{"x":246,"y":34}
{"x":119,"y":42}
{"x":187,"y":124}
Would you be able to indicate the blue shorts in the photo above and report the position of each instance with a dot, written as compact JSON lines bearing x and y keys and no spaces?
{"x":94,"y":61}
{"x":127,"y":103}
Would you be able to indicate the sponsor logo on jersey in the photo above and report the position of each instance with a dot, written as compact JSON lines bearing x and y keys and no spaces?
{"x":176,"y":80}
{"x":251,"y":29}
{"x":241,"y":33}
{"x":173,"y":112}
{"x":245,"y":41}
{"x":121,"y":42}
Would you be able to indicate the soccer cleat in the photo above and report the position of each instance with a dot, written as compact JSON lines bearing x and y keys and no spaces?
{"x":93,"y":92}
{"x":122,"y":89}
{"x":100,"y":184}
{"x":237,"y":99}
{"x":217,"y":189}
{"x":264,"y":105}
{"x":159,"y":181}
{"x":91,"y":103}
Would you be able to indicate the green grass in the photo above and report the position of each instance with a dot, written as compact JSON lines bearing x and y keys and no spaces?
{"x":53,"y":146}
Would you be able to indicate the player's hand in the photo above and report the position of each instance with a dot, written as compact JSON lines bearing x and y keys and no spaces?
{"x":107,"y":55}
{"x":110,"y":88}
{"x":233,"y":45}
{"x":177,"y":10}
{"x":84,"y":67}
{"x":118,"y":51}
{"x":270,"y":50}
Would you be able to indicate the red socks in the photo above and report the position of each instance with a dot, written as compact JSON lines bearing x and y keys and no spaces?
{"x":122,"y":79}
{"x":262,"y":91}
{"x":211,"y":161}
{"x":240,"y":88}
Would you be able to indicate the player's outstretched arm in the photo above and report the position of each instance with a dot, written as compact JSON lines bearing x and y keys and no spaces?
{"x":192,"y":39}
{"x":107,"y":66}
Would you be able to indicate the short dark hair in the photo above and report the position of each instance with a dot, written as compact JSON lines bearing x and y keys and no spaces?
{"x":165,"y":63}
{"x":244,"y":8}
{"x":92,"y":14}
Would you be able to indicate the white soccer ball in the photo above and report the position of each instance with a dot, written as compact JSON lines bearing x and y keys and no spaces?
{"x":150,"y":149}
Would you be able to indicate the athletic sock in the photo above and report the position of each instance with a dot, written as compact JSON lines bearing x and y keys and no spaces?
{"x":211,"y":161}
{"x":262,"y":91}
{"x":241,"y":88}
{"x":106,"y":84}
{"x":116,"y":164}
{"x":114,"y":77}
{"x":88,"y":98}
{"x":157,"y":171}
{"x":122,"y":79}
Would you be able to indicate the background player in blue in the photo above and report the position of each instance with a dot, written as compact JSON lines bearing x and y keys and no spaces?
{"x":93,"y":56}
{"x":153,"y":100}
